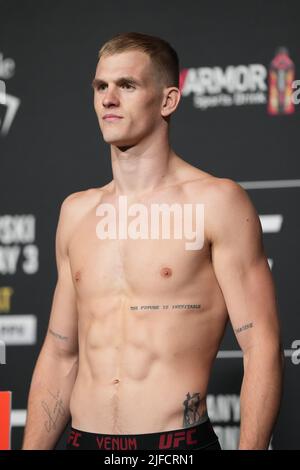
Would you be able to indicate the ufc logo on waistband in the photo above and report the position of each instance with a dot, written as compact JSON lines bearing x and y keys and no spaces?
{"x":173,"y":439}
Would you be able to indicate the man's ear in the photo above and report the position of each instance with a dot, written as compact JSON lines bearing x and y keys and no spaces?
{"x":171,"y":100}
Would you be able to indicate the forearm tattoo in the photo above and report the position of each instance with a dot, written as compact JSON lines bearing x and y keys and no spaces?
{"x":54,"y":411}
{"x":191,"y":413}
{"x":244,"y":327}
{"x":58,"y":336}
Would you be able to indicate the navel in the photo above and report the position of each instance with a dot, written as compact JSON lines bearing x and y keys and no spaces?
{"x":166,"y":272}
{"x":77,"y":276}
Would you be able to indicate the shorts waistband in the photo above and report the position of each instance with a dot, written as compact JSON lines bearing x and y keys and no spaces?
{"x":195,"y":437}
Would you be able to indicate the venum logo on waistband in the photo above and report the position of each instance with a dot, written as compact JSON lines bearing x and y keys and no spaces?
{"x":116,"y":443}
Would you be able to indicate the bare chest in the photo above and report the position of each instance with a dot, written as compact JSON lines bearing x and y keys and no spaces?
{"x":139,"y":252}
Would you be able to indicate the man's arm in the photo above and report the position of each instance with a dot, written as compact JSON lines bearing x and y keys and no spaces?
{"x":56,"y":368}
{"x":245,"y":279}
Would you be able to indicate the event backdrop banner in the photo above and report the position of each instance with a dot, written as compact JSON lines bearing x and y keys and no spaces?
{"x":239,"y":118}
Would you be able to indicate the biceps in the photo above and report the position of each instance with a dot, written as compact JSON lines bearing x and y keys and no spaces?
{"x":62,"y":334}
{"x":249,"y":294}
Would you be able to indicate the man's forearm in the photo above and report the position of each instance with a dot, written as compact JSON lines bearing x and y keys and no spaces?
{"x":260,"y":396}
{"x":49,"y":398}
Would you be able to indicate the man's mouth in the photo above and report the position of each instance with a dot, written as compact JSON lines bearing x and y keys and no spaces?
{"x":111,"y":117}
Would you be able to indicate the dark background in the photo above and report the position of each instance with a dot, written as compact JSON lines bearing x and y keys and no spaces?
{"x":54,"y":146}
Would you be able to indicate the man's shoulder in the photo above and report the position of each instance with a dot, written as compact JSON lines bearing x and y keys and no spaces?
{"x":213,"y":188}
{"x":76,"y":205}
{"x":223,"y":189}
{"x":228,"y":208}
{"x":83,"y":199}
{"x":74,"y":208}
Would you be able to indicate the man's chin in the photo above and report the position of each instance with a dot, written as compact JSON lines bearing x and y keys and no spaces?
{"x":118,"y":142}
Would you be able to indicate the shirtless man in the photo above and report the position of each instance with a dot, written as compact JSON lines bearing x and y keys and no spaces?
{"x":136,"y":323}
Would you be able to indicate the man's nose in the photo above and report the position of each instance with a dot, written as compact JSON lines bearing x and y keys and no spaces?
{"x":110,"y":97}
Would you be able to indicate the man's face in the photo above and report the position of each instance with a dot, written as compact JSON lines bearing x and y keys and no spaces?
{"x":138,"y":103}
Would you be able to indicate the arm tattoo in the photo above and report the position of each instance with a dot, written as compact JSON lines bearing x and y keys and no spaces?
{"x":54,"y":412}
{"x":63,"y":338}
{"x":244,"y":327}
{"x":191,"y":413}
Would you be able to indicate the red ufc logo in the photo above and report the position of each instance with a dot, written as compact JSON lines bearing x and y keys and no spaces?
{"x":173,"y":439}
{"x":73,"y":437}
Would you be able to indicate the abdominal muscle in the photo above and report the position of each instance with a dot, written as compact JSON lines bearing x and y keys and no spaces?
{"x":144,"y":370}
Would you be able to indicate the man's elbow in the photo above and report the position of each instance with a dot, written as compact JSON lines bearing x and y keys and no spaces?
{"x":270,"y":354}
{"x":63,"y":356}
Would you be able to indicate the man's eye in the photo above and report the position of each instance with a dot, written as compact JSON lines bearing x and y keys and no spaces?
{"x":127,"y":85}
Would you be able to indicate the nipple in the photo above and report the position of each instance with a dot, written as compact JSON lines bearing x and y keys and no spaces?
{"x":166,"y":272}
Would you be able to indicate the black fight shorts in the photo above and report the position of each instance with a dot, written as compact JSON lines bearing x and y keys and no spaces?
{"x":198,"y":437}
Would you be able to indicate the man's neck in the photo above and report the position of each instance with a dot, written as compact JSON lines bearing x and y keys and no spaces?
{"x":137,"y":171}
